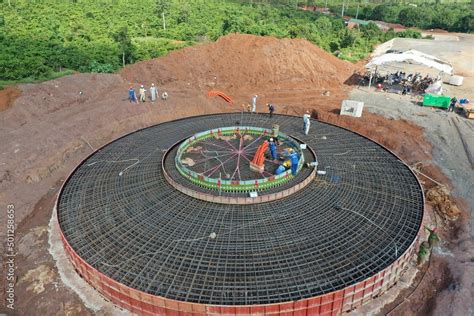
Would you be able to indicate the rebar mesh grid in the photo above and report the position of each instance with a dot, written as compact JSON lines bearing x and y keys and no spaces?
{"x":122,"y":217}
{"x":227,"y":157}
{"x":270,"y":166}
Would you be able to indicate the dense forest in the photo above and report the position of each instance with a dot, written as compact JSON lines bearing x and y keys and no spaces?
{"x":41,"y":39}
{"x":455,"y":17}
{"x":450,"y":15}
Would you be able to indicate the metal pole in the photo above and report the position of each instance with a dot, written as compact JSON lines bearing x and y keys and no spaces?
{"x":164,"y":22}
{"x":220,"y":179}
{"x":357,"y":13}
{"x":342,"y":12}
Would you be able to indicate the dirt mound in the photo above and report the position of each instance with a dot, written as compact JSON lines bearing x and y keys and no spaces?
{"x":440,"y":197}
{"x":238,"y":62}
{"x":8,"y":96}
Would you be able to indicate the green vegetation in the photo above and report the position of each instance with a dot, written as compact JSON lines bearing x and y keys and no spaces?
{"x":50,"y":76}
{"x":423,"y":252}
{"x":42,"y":38}
{"x":447,"y":15}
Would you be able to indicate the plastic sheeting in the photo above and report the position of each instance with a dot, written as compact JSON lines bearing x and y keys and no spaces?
{"x":435,"y":88}
{"x":412,"y":56}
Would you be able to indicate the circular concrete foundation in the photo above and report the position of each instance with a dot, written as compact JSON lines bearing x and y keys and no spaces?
{"x":328,"y":247}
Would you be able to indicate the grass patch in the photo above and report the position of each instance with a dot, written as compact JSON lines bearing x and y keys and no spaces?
{"x":54,"y":75}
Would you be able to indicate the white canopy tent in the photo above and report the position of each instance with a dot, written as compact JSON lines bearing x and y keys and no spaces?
{"x":412,"y":56}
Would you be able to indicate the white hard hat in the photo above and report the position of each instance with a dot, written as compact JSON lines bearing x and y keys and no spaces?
{"x":271,"y":139}
{"x":153,"y":84}
{"x":141,"y":86}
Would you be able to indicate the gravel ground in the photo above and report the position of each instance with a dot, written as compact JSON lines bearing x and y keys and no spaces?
{"x":448,"y":150}
{"x":451,"y":156}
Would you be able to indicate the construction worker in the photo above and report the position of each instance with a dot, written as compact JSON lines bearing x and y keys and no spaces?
{"x":254,"y":103}
{"x":153,"y":92}
{"x":307,"y":122}
{"x":273,"y":149}
{"x":132,"y":96}
{"x":294,"y":158}
{"x":164,"y":96}
{"x":141,"y":93}
{"x":271,"y":109}
{"x":452,"y":104}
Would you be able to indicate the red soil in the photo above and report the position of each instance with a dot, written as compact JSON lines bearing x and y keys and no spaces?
{"x":8,"y":96}
{"x":281,"y":71}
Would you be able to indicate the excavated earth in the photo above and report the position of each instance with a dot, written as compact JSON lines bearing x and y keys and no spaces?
{"x":48,"y":129}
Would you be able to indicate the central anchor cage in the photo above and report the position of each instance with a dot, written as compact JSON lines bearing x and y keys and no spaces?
{"x":235,"y":147}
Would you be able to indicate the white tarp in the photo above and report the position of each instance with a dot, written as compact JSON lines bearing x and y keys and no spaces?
{"x":412,"y":56}
{"x":456,"y":80}
{"x":435,"y":88}
{"x":352,"y":108}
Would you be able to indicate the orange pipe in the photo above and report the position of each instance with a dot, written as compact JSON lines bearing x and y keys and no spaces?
{"x":215,"y":93}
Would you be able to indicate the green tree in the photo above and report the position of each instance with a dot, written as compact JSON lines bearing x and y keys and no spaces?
{"x":125,"y":43}
{"x":385,"y":12}
{"x":415,"y":17}
{"x":348,"y":39}
{"x":466,"y":24}
{"x":162,"y":7}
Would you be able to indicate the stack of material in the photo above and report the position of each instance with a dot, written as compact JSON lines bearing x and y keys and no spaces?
{"x":456,"y":80}
{"x":257,"y":163}
{"x":468,"y":110}
{"x":437,"y":101}
{"x":440,"y":197}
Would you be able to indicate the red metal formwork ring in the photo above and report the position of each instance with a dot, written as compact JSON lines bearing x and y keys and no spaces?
{"x":332,"y":303}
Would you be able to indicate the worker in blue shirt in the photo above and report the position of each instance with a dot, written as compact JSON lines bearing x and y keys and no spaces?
{"x":132,"y":97}
{"x":273,"y":149}
{"x":294,"y":158}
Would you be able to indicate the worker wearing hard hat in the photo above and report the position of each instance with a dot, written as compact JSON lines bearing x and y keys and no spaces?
{"x":273,"y":149}
{"x":294,"y":158}
{"x":254,"y":103}
{"x":153,"y":92}
{"x":307,"y":122}
{"x":141,"y":93}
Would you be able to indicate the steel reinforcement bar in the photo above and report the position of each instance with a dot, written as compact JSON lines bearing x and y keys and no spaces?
{"x":329,"y":247}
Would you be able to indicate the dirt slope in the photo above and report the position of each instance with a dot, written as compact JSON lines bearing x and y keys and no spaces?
{"x":246,"y":61}
{"x":280,"y":71}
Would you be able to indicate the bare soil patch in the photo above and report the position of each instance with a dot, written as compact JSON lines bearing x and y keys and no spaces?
{"x":8,"y":95}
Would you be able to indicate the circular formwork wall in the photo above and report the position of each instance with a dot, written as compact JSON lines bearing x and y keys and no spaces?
{"x":326,"y":248}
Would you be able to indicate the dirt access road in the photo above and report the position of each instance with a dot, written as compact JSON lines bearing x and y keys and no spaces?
{"x":51,"y":127}
{"x":452,"y":137}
